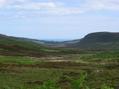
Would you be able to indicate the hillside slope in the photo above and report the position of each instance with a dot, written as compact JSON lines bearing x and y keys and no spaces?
{"x":22,"y":46}
{"x":30,"y":47}
{"x":99,"y":41}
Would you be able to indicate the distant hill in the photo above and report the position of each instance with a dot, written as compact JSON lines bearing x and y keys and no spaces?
{"x":32,"y":47}
{"x":100,"y":37}
{"x":98,"y":41}
{"x":23,"y":47}
{"x":18,"y":46}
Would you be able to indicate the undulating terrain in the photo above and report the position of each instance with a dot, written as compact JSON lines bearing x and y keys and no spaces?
{"x":88,"y":63}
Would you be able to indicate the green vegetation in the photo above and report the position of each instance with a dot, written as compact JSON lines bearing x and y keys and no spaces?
{"x":28,"y":65}
{"x":108,"y":56}
{"x":80,"y":71}
{"x":106,"y":87}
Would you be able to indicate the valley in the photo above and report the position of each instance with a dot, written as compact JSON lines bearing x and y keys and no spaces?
{"x":25,"y":64}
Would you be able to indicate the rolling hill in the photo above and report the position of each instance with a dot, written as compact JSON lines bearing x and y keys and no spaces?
{"x":98,"y":41}
{"x":22,"y":47}
{"x":31,"y":47}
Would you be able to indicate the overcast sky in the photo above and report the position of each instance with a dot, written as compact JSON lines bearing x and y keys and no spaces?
{"x":58,"y":19}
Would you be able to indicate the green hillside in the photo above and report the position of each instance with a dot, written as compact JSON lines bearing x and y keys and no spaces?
{"x":27,"y":64}
{"x":99,"y":41}
{"x":21,"y":46}
{"x":28,"y":47}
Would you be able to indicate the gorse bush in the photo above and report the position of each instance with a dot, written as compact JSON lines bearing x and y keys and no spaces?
{"x":75,"y":84}
{"x":49,"y":85}
{"x":106,"y":87}
{"x":79,"y":83}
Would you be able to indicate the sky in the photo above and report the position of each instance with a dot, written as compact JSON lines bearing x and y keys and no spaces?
{"x":58,"y":19}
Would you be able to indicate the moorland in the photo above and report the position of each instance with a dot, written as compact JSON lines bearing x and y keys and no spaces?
{"x":88,"y":63}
